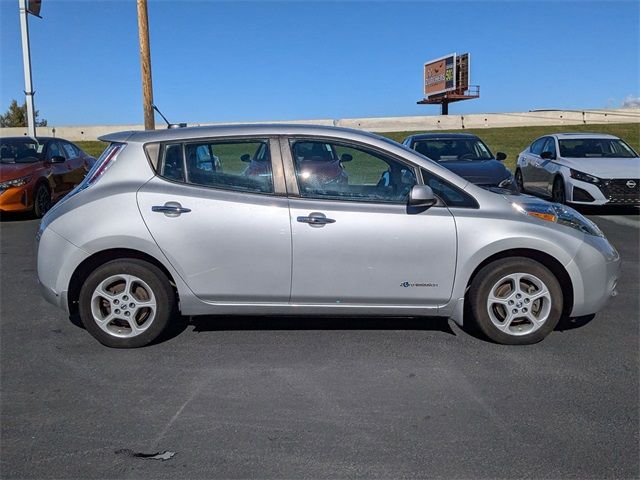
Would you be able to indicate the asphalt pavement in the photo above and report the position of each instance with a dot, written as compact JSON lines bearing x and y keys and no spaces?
{"x":317,"y":398}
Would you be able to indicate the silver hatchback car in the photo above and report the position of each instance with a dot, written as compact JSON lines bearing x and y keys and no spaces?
{"x":295,"y":220}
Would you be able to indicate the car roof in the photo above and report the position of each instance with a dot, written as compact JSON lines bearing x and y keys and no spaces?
{"x":433,"y":136}
{"x":25,"y":137}
{"x":187,"y":133}
{"x":576,"y":135}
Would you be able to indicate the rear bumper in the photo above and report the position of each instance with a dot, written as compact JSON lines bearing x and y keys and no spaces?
{"x":57,"y":261}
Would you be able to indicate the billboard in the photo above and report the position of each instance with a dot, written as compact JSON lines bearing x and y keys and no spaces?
{"x":440,"y":75}
{"x":33,"y":7}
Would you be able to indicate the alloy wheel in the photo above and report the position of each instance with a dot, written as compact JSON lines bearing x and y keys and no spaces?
{"x":519,"y":304}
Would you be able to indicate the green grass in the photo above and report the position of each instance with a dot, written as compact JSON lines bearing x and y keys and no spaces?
{"x":511,"y":140}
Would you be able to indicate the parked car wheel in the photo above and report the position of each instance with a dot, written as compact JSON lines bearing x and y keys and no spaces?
{"x":126,"y":303}
{"x":41,"y":200}
{"x":558,"y":194}
{"x":519,"y":180}
{"x":516,"y":301}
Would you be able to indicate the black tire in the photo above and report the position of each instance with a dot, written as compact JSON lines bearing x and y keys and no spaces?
{"x":41,"y":200}
{"x":558,"y":194}
{"x":492,"y":274}
{"x":519,"y":180}
{"x":154,"y":278}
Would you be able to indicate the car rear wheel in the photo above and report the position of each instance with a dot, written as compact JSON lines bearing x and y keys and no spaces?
{"x":558,"y":194}
{"x":519,"y":180}
{"x":516,"y":301}
{"x":126,"y":303}
{"x":41,"y":200}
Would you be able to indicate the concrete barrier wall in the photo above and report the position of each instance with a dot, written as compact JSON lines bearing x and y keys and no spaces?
{"x":386,"y":124}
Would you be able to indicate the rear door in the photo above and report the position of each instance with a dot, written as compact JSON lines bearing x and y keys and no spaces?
{"x":76,"y":164}
{"x":225,"y":229}
{"x":59,"y":171}
{"x":355,"y":240}
{"x":548,"y":167}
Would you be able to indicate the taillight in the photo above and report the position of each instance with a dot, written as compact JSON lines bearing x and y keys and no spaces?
{"x":102,"y":164}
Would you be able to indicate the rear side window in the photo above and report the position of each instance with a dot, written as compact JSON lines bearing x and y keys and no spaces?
{"x":72,"y":151}
{"x":451,"y":195}
{"x":536,"y":147}
{"x":243,"y":165}
{"x":550,"y":146}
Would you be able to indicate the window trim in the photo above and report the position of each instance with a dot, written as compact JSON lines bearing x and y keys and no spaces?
{"x":292,"y":179}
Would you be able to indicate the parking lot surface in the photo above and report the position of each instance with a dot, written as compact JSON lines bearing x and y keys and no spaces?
{"x":317,"y":398}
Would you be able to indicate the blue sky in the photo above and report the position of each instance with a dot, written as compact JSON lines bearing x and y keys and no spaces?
{"x":245,"y":61}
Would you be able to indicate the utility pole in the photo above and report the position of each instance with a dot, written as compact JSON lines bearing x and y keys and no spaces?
{"x":145,"y":64}
{"x":26,"y":60}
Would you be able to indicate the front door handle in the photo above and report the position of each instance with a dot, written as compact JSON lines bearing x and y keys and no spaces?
{"x":316,"y":219}
{"x":170,"y":209}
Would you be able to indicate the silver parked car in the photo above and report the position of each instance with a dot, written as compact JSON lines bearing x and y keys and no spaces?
{"x":581,"y":168}
{"x":293,"y":220}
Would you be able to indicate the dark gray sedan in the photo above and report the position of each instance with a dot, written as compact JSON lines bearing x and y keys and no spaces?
{"x":466,"y":155}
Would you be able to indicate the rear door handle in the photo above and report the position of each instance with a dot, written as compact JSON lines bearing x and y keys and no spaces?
{"x":170,"y":209}
{"x":316,"y":219}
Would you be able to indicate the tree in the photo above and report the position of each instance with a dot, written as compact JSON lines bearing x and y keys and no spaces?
{"x":16,"y":116}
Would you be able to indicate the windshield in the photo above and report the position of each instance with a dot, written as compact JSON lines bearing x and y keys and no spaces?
{"x":20,"y":151}
{"x":596,"y":148}
{"x":447,"y":149}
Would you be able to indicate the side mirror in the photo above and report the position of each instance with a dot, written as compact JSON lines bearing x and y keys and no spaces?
{"x":246,"y":158}
{"x":346,"y":157}
{"x":57,"y":159}
{"x":547,"y":156}
{"x":422,"y":196}
{"x":500,"y":156}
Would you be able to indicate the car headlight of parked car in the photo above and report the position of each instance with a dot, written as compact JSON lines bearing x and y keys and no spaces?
{"x":507,"y":182}
{"x":584,"y":177}
{"x":16,"y":182}
{"x":560,"y":214}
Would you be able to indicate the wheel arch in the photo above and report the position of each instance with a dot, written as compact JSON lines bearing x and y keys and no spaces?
{"x":88,"y":265}
{"x":541,"y":257}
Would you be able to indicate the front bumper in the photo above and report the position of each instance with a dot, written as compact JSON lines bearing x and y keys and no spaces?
{"x":594,"y":273}
{"x":608,"y":192}
{"x":16,"y":199}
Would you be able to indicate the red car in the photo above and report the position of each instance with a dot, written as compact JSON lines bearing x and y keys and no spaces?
{"x":36,"y":173}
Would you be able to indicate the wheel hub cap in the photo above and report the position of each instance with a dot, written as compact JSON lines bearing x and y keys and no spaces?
{"x":519,"y":304}
{"x":123,"y":305}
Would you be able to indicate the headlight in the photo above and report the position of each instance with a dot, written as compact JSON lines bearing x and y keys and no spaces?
{"x":506,"y":182}
{"x":16,"y":182}
{"x":560,"y":214}
{"x":584,"y":177}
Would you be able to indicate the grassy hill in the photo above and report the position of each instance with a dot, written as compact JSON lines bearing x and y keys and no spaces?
{"x":511,"y":140}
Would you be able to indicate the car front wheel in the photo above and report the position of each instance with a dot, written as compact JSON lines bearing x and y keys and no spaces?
{"x":516,"y":301}
{"x":558,"y":193}
{"x":126,"y":303}
{"x":41,"y":200}
{"x":519,"y":180}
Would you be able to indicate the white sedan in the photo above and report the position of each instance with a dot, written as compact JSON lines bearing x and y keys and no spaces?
{"x":581,"y":168}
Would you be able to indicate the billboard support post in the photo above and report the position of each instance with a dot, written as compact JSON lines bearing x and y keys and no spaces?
{"x":26,"y":60}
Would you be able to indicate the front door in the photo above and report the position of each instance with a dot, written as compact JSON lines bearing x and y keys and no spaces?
{"x":214,"y":212}
{"x":355,"y":241}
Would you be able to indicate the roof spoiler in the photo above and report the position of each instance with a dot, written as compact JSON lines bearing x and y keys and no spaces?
{"x":117,"y":137}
